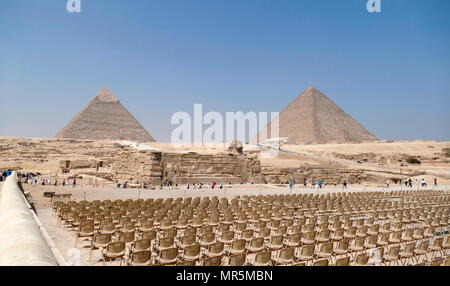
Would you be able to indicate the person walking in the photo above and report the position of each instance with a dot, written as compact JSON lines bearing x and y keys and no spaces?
{"x":435,"y":182}
{"x":344,"y":185}
{"x":388,"y":183}
{"x":313,"y":183}
{"x":320,"y":183}
{"x":305,"y":183}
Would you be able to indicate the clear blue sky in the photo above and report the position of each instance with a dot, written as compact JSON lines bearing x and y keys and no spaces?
{"x":389,"y":70}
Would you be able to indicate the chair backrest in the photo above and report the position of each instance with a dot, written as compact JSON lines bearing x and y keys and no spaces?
{"x":141,"y":257}
{"x":192,"y":250}
{"x":263,"y":257}
{"x":322,"y":262}
{"x":186,"y":263}
{"x":344,"y":261}
{"x":208,"y":237}
{"x":237,"y":260}
{"x":215,"y":248}
{"x":327,"y":247}
{"x":213,"y":261}
{"x":169,"y":253}
{"x":287,"y":253}
{"x":166,"y":241}
{"x":142,"y":244}
{"x":248,"y":233}
{"x":102,"y":238}
{"x":238,"y":244}
{"x":257,"y":242}
{"x":438,"y":242}
{"x":277,"y":239}
{"x":362,"y":259}
{"x":126,"y":237}
{"x":116,"y":247}
{"x":307,"y":250}
{"x":437,"y":262}
{"x":151,"y":234}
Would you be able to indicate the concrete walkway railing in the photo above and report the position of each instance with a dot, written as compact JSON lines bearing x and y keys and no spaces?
{"x":21,"y":240}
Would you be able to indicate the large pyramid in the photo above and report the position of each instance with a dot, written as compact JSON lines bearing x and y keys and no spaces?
{"x":312,"y":118}
{"x":105,"y":118}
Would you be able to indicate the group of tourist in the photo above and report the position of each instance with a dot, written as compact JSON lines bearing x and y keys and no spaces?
{"x":4,"y":174}
{"x":320,"y":183}
{"x":409,"y":183}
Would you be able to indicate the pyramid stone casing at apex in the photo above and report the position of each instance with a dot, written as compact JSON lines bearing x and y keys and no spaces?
{"x":105,"y":118}
{"x":312,"y":118}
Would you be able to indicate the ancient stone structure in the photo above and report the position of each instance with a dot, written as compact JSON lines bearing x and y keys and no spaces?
{"x":312,"y":118}
{"x":105,"y":118}
{"x":181,"y":168}
{"x":330,"y":176}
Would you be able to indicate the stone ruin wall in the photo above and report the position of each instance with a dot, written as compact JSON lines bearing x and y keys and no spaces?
{"x":330,"y":176}
{"x":182,"y":168}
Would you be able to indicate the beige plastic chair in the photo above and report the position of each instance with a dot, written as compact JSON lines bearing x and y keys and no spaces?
{"x":114,"y":250}
{"x":361,"y":260}
{"x":237,"y":260}
{"x":322,"y":262}
{"x":407,"y":253}
{"x":276,"y":242}
{"x":306,"y":252}
{"x":141,"y":258}
{"x":238,"y":246}
{"x":191,"y":252}
{"x":285,"y":256}
{"x":185,"y":263}
{"x":165,"y":243}
{"x":309,"y":237}
{"x":325,"y":250}
{"x":263,"y":258}
{"x":85,"y":230}
{"x":168,"y":256}
{"x":213,"y":261}
{"x":215,"y":249}
{"x":343,"y":261}
{"x":256,"y":245}
{"x":100,"y":241}
{"x":392,"y":256}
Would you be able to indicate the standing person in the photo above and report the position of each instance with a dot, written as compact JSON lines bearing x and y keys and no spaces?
{"x":417,"y":184}
{"x":424,"y":182}
{"x":387,"y":183}
{"x":410,"y":182}
{"x":74,"y":182}
{"x":320,"y":183}
{"x":435,"y":182}
{"x":313,"y":183}
{"x":344,"y":185}
{"x":305,"y":183}
{"x":8,"y":172}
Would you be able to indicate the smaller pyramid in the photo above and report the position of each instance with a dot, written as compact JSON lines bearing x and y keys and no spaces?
{"x":312,"y":118}
{"x":105,"y":118}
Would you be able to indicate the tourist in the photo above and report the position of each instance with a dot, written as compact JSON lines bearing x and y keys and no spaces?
{"x":387,"y":183}
{"x":424,"y":183}
{"x":8,"y":172}
{"x":313,"y":183}
{"x":305,"y":183}
{"x":417,"y":184}
{"x":74,"y":182}
{"x":320,"y":183}
{"x":435,"y":182}
{"x":221,"y":186}
{"x":344,"y":185}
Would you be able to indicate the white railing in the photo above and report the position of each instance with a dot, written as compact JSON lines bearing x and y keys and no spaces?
{"x":22,"y":242}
